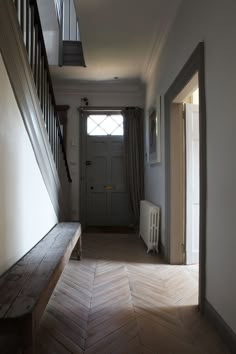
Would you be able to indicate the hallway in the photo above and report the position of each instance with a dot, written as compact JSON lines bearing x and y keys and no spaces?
{"x":118,"y":299}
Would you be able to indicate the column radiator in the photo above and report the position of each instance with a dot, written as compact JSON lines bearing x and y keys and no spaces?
{"x":149,"y":224}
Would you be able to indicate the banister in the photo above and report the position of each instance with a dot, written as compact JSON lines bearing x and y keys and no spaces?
{"x":40,"y":69}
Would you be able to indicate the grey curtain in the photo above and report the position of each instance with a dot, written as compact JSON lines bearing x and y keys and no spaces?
{"x":134,"y":153}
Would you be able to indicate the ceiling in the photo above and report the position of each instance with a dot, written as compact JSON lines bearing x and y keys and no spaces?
{"x":120,"y":38}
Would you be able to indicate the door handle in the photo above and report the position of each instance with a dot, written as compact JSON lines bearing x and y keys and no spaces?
{"x":88,"y":163}
{"x":92,"y":187}
{"x":108,"y":187}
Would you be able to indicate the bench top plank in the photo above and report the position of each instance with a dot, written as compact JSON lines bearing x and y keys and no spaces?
{"x":22,"y":286}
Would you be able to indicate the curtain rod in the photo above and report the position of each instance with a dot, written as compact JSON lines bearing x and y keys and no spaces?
{"x":110,"y":109}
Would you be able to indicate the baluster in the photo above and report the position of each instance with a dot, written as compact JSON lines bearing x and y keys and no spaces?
{"x":39,"y":71}
{"x":36,"y":55}
{"x":44,"y":96}
{"x":51,"y":133}
{"x":46,"y":100}
{"x":27,"y":22}
{"x":69,"y":21}
{"x":22,"y":13}
{"x":58,"y":146}
{"x":54,"y":137}
{"x":55,"y":141}
{"x":42,"y":87}
{"x":59,"y":149}
{"x":17,"y":7}
{"x":32,"y":37}
{"x":30,"y":33}
{"x":16,"y":4}
{"x":48,"y":114}
{"x":49,"y":119}
{"x":52,"y":121}
{"x":56,"y":162}
{"x":77,"y":30}
{"x":63,"y":21}
{"x":50,"y":124}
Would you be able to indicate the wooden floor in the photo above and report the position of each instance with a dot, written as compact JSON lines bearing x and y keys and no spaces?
{"x":118,"y":299}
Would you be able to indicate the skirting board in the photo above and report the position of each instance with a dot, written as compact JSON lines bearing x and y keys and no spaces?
{"x":228,"y":336}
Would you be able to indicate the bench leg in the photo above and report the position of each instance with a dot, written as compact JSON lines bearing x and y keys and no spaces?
{"x":79,"y":248}
{"x":29,"y":350}
{"x":28,"y":338}
{"x":29,"y":346}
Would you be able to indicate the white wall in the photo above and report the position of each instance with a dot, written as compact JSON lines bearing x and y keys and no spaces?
{"x":104,"y":94}
{"x":26,"y":212}
{"x":213,"y":22}
{"x":50,"y":26}
{"x":51,"y":40}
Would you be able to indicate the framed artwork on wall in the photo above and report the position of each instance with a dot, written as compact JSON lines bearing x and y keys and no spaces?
{"x":154,"y":136}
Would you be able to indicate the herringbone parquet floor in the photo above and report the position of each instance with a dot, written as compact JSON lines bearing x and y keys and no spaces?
{"x":118,"y":299}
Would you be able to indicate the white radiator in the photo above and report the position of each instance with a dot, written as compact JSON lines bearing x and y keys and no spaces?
{"x":149,"y":224}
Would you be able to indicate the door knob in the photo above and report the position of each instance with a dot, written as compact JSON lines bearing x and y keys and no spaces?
{"x":92,"y":187}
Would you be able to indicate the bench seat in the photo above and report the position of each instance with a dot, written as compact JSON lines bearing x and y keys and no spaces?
{"x":25,"y":288}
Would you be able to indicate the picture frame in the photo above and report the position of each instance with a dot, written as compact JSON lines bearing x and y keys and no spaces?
{"x":154,"y":133}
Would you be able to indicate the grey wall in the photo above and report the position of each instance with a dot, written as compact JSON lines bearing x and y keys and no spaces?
{"x":99,"y":95}
{"x":213,"y":22}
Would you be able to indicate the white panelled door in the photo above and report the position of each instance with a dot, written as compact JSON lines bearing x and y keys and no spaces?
{"x":107,"y":201}
{"x":192,"y":183}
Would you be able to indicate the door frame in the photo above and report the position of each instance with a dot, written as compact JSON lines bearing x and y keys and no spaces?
{"x":195,"y":64}
{"x":82,"y":167}
{"x":83,"y":114}
{"x":189,"y":187}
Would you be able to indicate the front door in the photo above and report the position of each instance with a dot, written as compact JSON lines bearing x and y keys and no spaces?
{"x":107,"y":202}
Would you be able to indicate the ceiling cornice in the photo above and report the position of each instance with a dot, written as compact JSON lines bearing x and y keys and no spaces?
{"x":156,"y":48}
{"x":154,"y":55}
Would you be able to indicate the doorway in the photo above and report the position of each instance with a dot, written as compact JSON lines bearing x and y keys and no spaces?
{"x":178,"y":201}
{"x":185,"y":117}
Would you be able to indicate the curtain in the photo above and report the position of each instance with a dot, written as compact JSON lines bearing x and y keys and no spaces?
{"x":134,"y":154}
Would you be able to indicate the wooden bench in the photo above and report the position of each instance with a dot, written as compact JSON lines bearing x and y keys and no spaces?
{"x":26,"y":287}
